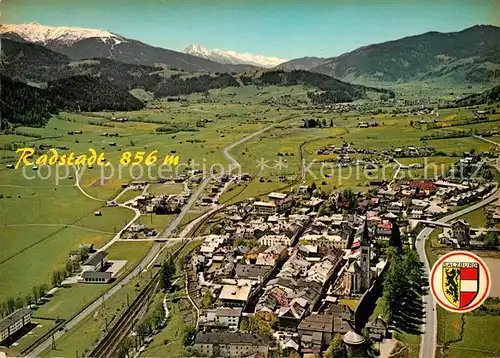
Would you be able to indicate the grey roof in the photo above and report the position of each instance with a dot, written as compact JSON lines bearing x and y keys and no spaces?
{"x":97,"y":274}
{"x":228,"y":312}
{"x":317,"y":322}
{"x":96,"y":258}
{"x":250,"y":271}
{"x":14,"y":317}
{"x":231,"y":338}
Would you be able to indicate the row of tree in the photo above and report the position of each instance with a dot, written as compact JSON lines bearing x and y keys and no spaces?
{"x":403,"y":289}
{"x":12,"y":304}
{"x":314,"y":123}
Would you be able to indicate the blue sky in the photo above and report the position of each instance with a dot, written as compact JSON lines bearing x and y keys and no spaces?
{"x":281,"y":28}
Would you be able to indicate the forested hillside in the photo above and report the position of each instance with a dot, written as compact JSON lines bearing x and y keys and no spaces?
{"x":31,"y":106}
{"x":23,"y":104}
{"x":486,"y":97}
{"x":85,"y":93}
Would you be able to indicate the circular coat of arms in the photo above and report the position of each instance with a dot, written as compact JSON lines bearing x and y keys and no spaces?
{"x":460,"y":281}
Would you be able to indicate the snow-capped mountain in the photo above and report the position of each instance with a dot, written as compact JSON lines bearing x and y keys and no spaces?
{"x":232,"y":57}
{"x":44,"y":35}
{"x":80,"y":43}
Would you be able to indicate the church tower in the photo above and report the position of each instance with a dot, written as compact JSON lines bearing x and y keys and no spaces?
{"x":365,"y":259}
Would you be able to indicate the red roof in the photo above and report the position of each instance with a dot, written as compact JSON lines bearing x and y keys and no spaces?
{"x":422,"y":185}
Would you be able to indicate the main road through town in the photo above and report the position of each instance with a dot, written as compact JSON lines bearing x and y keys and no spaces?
{"x":428,"y":343}
{"x":151,"y":256}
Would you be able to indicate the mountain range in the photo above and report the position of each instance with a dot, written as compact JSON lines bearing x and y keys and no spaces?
{"x":232,"y":57}
{"x":468,"y":56}
{"x":465,"y":57}
{"x":79,"y":44}
{"x":85,"y":69}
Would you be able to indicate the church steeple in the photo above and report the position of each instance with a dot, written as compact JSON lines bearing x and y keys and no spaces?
{"x":365,"y":239}
{"x":364,"y":258}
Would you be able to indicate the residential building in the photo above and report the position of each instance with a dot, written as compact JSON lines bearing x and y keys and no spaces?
{"x":251,"y":272}
{"x":222,"y":317}
{"x":235,"y":293}
{"x":264,"y":208}
{"x":317,"y":330}
{"x":276,"y":197}
{"x":96,"y":276}
{"x":377,"y":329}
{"x":14,"y":322}
{"x":229,"y":344}
{"x":461,"y":232}
{"x":273,"y":240}
{"x":96,"y":262}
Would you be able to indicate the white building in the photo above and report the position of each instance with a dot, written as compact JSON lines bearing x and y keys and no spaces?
{"x":274,"y":240}
{"x":14,"y":322}
{"x":264,"y":208}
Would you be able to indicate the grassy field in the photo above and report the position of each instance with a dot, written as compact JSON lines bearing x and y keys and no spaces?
{"x":166,"y":188}
{"x":168,"y":342}
{"x":476,"y":218}
{"x":87,"y":333}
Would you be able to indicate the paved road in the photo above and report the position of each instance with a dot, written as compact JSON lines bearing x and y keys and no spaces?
{"x":428,"y":343}
{"x":226,"y":150}
{"x":153,"y":253}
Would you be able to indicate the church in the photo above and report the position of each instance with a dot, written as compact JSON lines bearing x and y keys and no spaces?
{"x":357,"y":275}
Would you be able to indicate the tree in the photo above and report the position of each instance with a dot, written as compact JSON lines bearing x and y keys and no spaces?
{"x":11,"y":305}
{"x":395,"y":240}
{"x":28,"y":299}
{"x":350,"y":197}
{"x":142,"y":330}
{"x":244,"y":324}
{"x":167,"y":271}
{"x":336,"y":349}
{"x":36,"y":294}
{"x":4,"y":310}
{"x":69,"y":267}
{"x":311,"y":188}
{"x":188,"y":332}
{"x":331,"y":123}
{"x":262,"y":323}
{"x":491,"y":240}
{"x":208,"y":299}
{"x":43,"y":289}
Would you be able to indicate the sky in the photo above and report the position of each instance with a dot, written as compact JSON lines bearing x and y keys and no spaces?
{"x":279,"y":28}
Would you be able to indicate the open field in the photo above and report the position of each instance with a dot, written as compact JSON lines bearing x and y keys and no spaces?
{"x":476,"y":218}
{"x":166,"y":188}
{"x":86,"y":334}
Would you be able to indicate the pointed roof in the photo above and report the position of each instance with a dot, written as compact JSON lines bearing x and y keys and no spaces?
{"x":365,"y":239}
{"x":353,"y":338}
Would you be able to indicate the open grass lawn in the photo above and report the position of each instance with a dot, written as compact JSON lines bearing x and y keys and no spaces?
{"x":87,"y":333}
{"x":42,"y":327}
{"x":157,"y":222}
{"x":350,"y":302}
{"x":476,"y":218}
{"x":166,"y":188}
{"x":41,"y":259}
{"x":128,"y":195}
{"x":460,"y":145}
{"x":68,"y":301}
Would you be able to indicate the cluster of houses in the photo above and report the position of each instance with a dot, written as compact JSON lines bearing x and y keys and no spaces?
{"x":386,"y":154}
{"x":295,"y":267}
{"x":282,"y":256}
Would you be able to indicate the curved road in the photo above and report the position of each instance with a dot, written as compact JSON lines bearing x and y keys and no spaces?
{"x":150,"y":257}
{"x":428,"y":343}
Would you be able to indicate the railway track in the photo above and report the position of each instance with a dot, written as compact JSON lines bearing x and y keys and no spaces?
{"x":108,"y":346}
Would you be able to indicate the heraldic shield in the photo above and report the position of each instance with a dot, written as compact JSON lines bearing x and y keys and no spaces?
{"x":460,"y":282}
